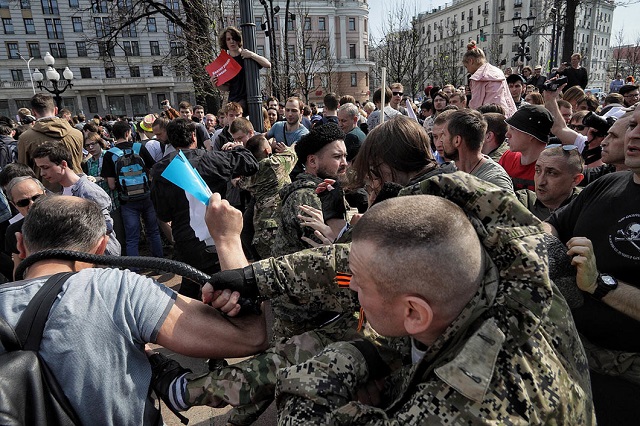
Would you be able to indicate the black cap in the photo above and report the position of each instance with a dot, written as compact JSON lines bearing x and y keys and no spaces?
{"x":512,"y":78}
{"x":534,"y":120}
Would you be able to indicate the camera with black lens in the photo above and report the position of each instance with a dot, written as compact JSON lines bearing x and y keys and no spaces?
{"x":552,"y":85}
{"x":600,"y":124}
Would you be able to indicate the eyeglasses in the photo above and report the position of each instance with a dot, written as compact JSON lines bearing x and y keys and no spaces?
{"x":576,"y":127}
{"x":398,"y":93}
{"x":566,"y":148}
{"x":632,"y":95}
{"x":26,"y":201}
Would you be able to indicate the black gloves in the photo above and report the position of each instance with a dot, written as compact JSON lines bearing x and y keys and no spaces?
{"x":163,"y":373}
{"x":241,"y":280}
{"x":333,"y":203}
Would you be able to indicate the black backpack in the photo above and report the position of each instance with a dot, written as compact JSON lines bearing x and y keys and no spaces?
{"x":29,"y":393}
{"x":8,"y":153}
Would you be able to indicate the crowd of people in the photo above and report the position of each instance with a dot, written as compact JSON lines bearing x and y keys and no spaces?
{"x":473,"y":259}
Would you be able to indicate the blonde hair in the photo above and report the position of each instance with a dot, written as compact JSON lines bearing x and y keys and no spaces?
{"x":474,"y":52}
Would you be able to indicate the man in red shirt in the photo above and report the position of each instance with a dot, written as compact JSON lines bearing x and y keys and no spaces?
{"x":528,"y":134}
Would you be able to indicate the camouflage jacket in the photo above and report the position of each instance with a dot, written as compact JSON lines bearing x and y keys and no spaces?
{"x":272,"y":176}
{"x":301,"y":191}
{"x":513,"y":356}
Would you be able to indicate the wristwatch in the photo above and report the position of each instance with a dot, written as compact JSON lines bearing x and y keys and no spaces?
{"x":605,"y":283}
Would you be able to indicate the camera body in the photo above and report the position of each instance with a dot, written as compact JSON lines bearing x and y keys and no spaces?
{"x":553,"y":85}
{"x":600,"y":124}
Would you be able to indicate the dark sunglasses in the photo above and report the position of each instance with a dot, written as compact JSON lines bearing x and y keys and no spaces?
{"x":26,"y":201}
{"x":398,"y":93}
{"x":566,"y":148}
{"x":577,"y":127}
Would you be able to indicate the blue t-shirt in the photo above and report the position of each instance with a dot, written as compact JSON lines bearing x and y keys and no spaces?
{"x":94,"y":339}
{"x":289,"y":138}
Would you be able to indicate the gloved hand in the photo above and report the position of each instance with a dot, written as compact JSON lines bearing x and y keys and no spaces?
{"x":388,"y":190}
{"x":332,"y":199}
{"x":164,"y":372}
{"x":376,"y":366}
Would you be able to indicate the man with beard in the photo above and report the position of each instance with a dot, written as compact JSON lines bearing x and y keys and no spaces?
{"x":291,"y":130}
{"x":464,"y":134}
{"x":324,"y":156}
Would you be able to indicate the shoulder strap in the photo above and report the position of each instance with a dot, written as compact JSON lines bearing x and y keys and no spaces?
{"x":31,"y":323}
{"x":136,"y":148}
{"x":8,"y":337}
{"x":117,"y":152}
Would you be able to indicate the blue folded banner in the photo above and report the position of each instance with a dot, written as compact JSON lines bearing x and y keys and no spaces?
{"x":181,"y":173}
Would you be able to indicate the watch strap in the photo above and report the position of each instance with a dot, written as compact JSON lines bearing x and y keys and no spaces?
{"x":602,"y":288}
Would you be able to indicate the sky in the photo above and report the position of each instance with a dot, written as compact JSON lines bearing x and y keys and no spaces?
{"x":623,"y":17}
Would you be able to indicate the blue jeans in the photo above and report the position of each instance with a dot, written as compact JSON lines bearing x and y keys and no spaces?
{"x":131,"y":212}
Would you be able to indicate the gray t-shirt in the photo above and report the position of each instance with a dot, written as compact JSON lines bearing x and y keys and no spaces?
{"x":94,"y":339}
{"x":494,"y":173}
{"x":278,"y":132}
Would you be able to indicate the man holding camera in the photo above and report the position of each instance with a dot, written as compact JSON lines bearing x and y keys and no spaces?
{"x":589,"y":144}
{"x":576,"y":74}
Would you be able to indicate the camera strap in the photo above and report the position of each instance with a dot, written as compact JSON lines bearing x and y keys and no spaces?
{"x":591,"y":155}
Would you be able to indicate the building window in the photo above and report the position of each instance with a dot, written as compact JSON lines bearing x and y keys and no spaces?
{"x":258,"y":22}
{"x":58,"y":50}
{"x":354,"y":79}
{"x":77,"y":24}
{"x":352,"y":24}
{"x":308,"y":53}
{"x":157,"y":70}
{"x":85,"y":72}
{"x":322,"y":24}
{"x":260,"y":50}
{"x":81,"y":47}
{"x":99,"y":6}
{"x":174,"y":29}
{"x":323,"y":52}
{"x":7,"y":23}
{"x":50,"y":7}
{"x":290,"y":23}
{"x":155,"y":48}
{"x":34,"y":50}
{"x":54,"y":28}
{"x":276,"y":25}
{"x":106,"y":48}
{"x":25,"y":4}
{"x":12,"y":51}
{"x":151,"y":25}
{"x":93,"y":104}
{"x":172,"y":4}
{"x":352,"y":51}
{"x":74,"y":3}
{"x":130,"y":31}
{"x":139,"y":104}
{"x":117,"y":105}
{"x":134,"y":71}
{"x":177,"y":49}
{"x":365,"y":24}
{"x":307,"y":23}
{"x":291,"y":51}
{"x":103,"y":26}
{"x":131,"y":48}
{"x":110,"y":72}
{"x":16,"y":75}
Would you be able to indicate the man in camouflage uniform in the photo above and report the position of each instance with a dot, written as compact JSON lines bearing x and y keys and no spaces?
{"x":491,"y":340}
{"x":511,"y":354}
{"x":323,"y":154}
{"x":272,"y":176}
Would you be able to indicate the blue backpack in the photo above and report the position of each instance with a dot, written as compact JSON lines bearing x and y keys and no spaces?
{"x":133,"y":183}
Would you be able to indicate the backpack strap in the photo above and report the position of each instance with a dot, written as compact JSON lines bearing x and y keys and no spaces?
{"x":32,"y":321}
{"x":8,"y":337}
{"x":136,"y":148}
{"x":117,"y":153}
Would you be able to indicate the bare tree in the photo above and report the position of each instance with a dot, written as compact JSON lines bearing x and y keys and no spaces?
{"x":632,"y":56}
{"x":445,"y":61}
{"x":190,"y":25}
{"x":617,"y":57}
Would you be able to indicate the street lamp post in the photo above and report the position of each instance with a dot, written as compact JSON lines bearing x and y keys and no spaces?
{"x":54,"y":77}
{"x":28,"y":62}
{"x":523,"y":31}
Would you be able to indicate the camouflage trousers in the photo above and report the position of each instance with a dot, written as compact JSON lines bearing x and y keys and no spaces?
{"x":250,"y":384}
{"x":625,"y":365}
